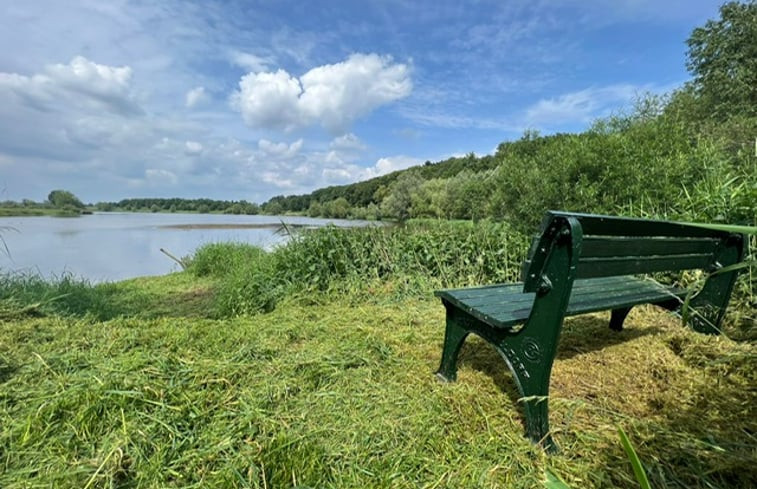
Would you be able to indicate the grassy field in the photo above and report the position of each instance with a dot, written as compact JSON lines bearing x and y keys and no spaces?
{"x":145,"y":386}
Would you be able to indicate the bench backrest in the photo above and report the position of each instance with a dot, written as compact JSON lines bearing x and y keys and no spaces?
{"x":609,"y":246}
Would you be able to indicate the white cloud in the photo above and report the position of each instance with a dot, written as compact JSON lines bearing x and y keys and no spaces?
{"x":159,"y":176}
{"x":195,"y":96}
{"x":347,"y":142}
{"x":346,"y":173}
{"x":332,"y":96}
{"x":582,"y":106}
{"x":269,"y":100}
{"x":280,"y":150}
{"x":81,"y":84}
{"x":251,"y":62}
{"x":392,"y":163}
{"x":193,"y":147}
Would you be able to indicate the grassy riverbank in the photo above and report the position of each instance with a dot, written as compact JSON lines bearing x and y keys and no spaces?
{"x":38,"y":211}
{"x":340,"y":393}
{"x":324,"y":378}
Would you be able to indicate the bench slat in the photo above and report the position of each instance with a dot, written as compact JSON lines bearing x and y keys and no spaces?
{"x":514,"y":292}
{"x":627,"y":226}
{"x":623,"y":300}
{"x":606,"y":266}
{"x":588,"y":299}
{"x":621,"y":246}
{"x":505,"y":306}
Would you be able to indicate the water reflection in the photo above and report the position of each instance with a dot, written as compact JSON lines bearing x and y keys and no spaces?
{"x":116,"y":246}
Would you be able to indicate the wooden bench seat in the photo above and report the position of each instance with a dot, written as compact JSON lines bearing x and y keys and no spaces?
{"x":580,"y":263}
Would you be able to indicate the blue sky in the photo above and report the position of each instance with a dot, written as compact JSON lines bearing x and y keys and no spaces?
{"x":250,"y":99}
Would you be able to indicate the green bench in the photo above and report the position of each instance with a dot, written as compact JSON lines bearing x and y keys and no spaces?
{"x":581,"y":263}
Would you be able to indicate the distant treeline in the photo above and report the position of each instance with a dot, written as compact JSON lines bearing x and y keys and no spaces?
{"x":325,"y":201}
{"x":180,"y":205}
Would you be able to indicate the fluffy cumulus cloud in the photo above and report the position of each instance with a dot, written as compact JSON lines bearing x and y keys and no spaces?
{"x":67,"y":112}
{"x":81,"y":82}
{"x":193,"y":147}
{"x":332,"y":96}
{"x":280,"y":150}
{"x":343,"y":172}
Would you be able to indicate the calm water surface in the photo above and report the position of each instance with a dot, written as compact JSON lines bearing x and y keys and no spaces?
{"x":115,"y":246}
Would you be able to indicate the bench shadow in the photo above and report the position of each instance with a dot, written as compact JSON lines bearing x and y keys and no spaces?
{"x":579,"y":336}
{"x":585,"y":334}
{"x":706,"y":441}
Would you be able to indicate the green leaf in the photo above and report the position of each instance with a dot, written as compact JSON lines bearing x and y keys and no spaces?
{"x":553,"y":481}
{"x":638,"y":469}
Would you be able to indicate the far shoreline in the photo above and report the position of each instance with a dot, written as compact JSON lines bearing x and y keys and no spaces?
{"x":234,"y":226}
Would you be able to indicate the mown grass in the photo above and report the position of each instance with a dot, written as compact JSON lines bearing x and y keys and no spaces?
{"x":339,"y":395}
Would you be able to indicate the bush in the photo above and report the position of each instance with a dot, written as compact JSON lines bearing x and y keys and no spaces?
{"x":220,"y":259}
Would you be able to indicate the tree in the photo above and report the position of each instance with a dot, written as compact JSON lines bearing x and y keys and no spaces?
{"x":63,"y":198}
{"x":722,"y":57}
{"x":428,"y":200}
{"x":338,"y":208}
{"x":399,"y":200}
{"x":315,"y":209}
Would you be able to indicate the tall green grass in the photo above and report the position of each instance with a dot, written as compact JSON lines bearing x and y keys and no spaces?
{"x":395,"y":262}
{"x":64,"y":295}
{"x":24,"y":295}
{"x":400,"y":261}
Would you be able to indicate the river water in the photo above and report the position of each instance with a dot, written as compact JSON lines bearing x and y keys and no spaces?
{"x":115,"y":246}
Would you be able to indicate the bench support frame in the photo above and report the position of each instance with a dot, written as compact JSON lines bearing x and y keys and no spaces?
{"x":549,"y":273}
{"x":530,"y":351}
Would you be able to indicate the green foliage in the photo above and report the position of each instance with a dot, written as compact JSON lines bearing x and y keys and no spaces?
{"x":247,"y":284}
{"x":467,"y":194}
{"x":398,"y":201}
{"x":337,"y":208}
{"x":428,"y":200}
{"x":179,"y":205}
{"x":315,"y":209}
{"x":251,"y":289}
{"x":722,"y":57}
{"x":65,"y":295}
{"x":417,"y":258}
{"x":553,"y":481}
{"x":221,"y":259}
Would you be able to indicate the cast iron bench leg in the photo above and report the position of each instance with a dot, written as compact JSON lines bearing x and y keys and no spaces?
{"x":529,"y":358}
{"x":617,"y":318}
{"x":454,"y":336}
